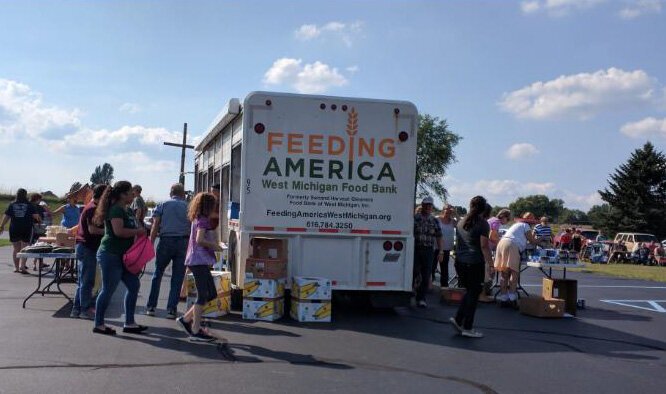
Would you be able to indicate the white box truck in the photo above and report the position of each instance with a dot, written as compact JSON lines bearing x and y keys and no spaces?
{"x":332,"y":176}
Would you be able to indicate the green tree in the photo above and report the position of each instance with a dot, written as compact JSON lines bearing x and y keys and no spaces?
{"x":434,"y":154}
{"x":573,"y":216}
{"x":539,"y":205}
{"x":103,"y":175}
{"x":597,"y":216}
{"x":636,"y":194}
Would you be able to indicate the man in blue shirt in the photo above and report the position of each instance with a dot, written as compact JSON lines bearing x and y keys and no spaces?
{"x":543,"y":233}
{"x":171,"y":223}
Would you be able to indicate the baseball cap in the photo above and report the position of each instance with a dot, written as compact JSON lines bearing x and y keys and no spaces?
{"x":427,"y":200}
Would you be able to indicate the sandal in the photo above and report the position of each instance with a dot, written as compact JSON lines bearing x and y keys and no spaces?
{"x":25,"y":271}
{"x":16,"y":271}
{"x":105,"y":331}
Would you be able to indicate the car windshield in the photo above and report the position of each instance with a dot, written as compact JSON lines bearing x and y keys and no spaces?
{"x":589,"y":234}
{"x":645,"y":238}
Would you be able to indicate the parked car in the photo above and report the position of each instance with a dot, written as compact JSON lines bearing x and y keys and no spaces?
{"x":148,"y":219}
{"x":631,"y":239}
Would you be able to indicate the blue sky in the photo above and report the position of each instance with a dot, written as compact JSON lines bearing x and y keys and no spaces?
{"x":549,"y":95}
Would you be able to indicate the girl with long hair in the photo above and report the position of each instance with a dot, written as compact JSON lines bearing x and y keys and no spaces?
{"x":472,"y":258}
{"x":22,"y":214}
{"x":120,"y":230}
{"x":200,"y":258}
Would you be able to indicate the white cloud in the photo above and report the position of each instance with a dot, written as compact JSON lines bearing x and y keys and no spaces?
{"x":352,"y":69}
{"x":314,"y":77}
{"x":344,"y":31}
{"x":581,"y":95}
{"x":503,"y":191}
{"x":557,"y":7}
{"x":130,"y":108}
{"x":126,"y":134}
{"x":521,"y":151}
{"x":23,"y":113}
{"x":638,"y":8}
{"x":645,"y":128}
{"x":140,"y":162}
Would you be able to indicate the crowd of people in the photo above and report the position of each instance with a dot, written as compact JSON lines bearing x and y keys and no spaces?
{"x":480,"y":250}
{"x":107,"y":227}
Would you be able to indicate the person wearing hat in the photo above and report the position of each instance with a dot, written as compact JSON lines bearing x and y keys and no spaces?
{"x":427,"y":237}
{"x":507,"y":257}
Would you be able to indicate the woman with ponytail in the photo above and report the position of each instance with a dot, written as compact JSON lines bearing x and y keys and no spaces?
{"x":120,"y":230}
{"x":472,"y":258}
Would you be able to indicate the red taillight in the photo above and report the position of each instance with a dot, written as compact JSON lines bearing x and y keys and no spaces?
{"x":388,"y":245}
{"x":398,"y":246}
{"x":259,"y":128}
{"x":403,"y":136}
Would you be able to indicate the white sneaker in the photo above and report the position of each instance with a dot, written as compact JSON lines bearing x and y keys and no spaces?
{"x":503,"y":297}
{"x":513,"y":297}
{"x":472,"y":334}
{"x":422,"y":304}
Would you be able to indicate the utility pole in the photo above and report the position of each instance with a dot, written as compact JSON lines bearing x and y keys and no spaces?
{"x":183,"y":146}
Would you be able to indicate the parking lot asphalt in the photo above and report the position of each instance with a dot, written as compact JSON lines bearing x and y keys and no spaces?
{"x":616,"y":345}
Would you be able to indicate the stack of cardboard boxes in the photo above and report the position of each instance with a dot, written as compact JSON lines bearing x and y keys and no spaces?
{"x":311,"y":299}
{"x":219,"y":306}
{"x":558,"y":296}
{"x":265,"y":279}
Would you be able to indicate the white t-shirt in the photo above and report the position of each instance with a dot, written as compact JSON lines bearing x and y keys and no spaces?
{"x":517,"y":233}
{"x":448,"y":233}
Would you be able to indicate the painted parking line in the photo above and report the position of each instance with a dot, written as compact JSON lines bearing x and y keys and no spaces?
{"x":648,"y":305}
{"x":611,"y":287}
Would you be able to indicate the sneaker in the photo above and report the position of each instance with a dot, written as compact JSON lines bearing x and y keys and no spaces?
{"x":150,"y":311}
{"x":201,"y":337}
{"x":456,"y":325}
{"x":422,"y":304}
{"x":471,"y":334}
{"x":186,"y":326}
{"x":171,"y":314}
{"x":513,"y":297}
{"x":75,"y":314}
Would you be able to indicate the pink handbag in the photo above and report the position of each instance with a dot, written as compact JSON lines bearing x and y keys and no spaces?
{"x":136,"y":257}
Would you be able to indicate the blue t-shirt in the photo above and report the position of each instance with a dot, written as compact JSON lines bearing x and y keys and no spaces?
{"x":70,"y":216}
{"x":173,"y":218}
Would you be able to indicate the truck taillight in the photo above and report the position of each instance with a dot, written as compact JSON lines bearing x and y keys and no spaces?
{"x":403,"y":136}
{"x":398,"y":246}
{"x":388,"y":245}
{"x":259,"y":128}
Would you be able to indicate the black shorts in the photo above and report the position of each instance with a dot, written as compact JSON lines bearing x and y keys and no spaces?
{"x":20,"y":235}
{"x":205,"y":284}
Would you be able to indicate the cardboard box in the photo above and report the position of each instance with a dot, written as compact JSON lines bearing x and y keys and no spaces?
{"x":563,"y":289}
{"x":452,"y":295}
{"x":222,"y":283}
{"x":263,"y":308}
{"x":266,"y":268}
{"x":269,"y":248}
{"x":311,"y":288}
{"x":541,"y":307}
{"x":215,"y":308}
{"x":263,"y":288}
{"x":310,"y":311}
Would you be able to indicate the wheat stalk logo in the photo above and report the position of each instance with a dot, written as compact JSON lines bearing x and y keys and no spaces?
{"x":352,"y":122}
{"x":352,"y":129}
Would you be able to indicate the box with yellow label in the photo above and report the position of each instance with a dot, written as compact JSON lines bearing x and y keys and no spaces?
{"x":263,"y":288}
{"x":222,"y":283}
{"x":263,"y":308}
{"x":311,"y":288}
{"x":310,"y":311}
{"x":218,"y":307}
